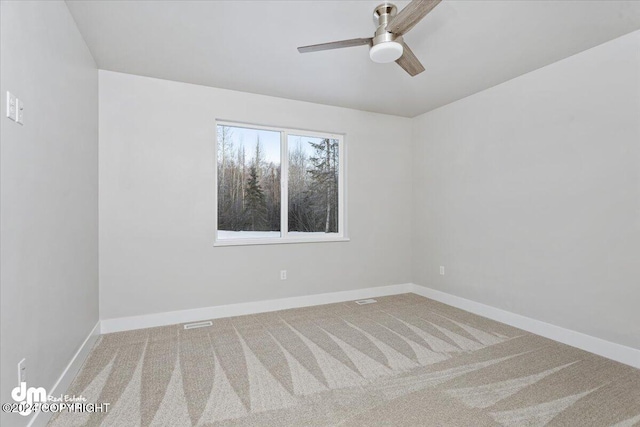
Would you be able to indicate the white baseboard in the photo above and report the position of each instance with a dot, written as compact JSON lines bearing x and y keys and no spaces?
{"x":69,"y":373}
{"x":627,"y":355}
{"x":620,"y":353}
{"x":174,"y":317}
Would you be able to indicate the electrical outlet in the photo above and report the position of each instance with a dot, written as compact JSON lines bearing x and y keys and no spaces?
{"x":12,"y":106}
{"x":442,"y":270}
{"x":22,"y":371}
{"x":283,"y":274}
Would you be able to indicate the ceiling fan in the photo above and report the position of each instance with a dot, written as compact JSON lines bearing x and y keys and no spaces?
{"x":387,"y":45}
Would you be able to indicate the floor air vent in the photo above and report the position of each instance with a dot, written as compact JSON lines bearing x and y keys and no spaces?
{"x":366,"y":301}
{"x":198,"y":324}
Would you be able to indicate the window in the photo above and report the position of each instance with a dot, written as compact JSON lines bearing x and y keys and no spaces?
{"x":278,"y":185}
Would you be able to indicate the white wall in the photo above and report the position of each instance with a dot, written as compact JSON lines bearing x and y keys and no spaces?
{"x":157,"y":142}
{"x":529,"y":194}
{"x":49,"y":194}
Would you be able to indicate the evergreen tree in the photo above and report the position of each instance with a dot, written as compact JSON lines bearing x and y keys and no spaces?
{"x":254,"y":202}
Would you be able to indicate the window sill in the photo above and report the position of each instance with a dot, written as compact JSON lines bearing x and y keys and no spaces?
{"x":279,"y":241}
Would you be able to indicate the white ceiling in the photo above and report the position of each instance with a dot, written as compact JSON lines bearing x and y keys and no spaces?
{"x":465,"y":46}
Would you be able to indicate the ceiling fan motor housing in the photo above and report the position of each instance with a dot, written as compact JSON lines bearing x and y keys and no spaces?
{"x":385,"y":46}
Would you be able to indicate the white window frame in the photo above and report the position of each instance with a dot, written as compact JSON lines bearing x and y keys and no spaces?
{"x":340,"y":236}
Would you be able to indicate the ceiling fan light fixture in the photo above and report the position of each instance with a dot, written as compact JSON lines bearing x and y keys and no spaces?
{"x":385,"y":52}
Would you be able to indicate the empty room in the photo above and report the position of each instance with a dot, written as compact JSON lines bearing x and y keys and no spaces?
{"x":320,"y":213}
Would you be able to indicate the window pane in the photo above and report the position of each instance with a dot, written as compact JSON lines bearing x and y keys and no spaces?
{"x":313,"y":184}
{"x":248,"y":183}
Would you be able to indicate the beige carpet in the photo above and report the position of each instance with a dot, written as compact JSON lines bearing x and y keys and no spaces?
{"x":404,"y":361}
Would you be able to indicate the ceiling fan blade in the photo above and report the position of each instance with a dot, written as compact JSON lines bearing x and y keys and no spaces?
{"x":410,"y":16}
{"x":409,"y":62}
{"x":334,"y":45}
